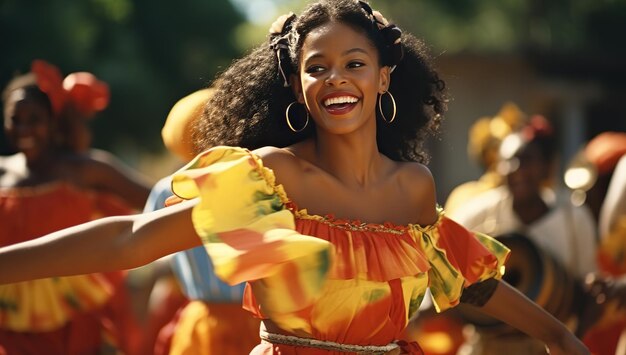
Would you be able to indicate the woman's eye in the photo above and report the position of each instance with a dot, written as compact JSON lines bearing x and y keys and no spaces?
{"x":355,"y":64}
{"x":314,"y":69}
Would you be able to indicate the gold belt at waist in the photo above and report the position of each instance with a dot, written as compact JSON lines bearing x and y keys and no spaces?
{"x":326,"y":345}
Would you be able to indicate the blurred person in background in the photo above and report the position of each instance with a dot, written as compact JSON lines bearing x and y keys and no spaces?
{"x":613,"y":229}
{"x":528,"y":205}
{"x":484,"y":138}
{"x":207,"y":317}
{"x":442,"y":335}
{"x":597,"y":176}
{"x":590,"y":173}
{"x":55,"y":181}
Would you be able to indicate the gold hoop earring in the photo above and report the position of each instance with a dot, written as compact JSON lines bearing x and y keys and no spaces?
{"x":380,"y":107}
{"x":289,"y":121}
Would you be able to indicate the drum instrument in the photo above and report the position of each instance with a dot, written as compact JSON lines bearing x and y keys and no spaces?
{"x":539,"y":276}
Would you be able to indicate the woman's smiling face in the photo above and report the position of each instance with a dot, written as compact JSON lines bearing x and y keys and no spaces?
{"x":340,"y":78}
{"x":28,"y":124}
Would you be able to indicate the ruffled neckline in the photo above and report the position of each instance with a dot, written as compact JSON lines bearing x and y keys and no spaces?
{"x":330,"y":219}
{"x":356,"y":224}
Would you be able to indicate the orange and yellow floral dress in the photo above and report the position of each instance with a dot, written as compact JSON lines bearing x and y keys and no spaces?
{"x":48,"y":316}
{"x":335,"y":280}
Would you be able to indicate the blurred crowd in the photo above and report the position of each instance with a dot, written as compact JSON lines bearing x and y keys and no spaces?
{"x":567,"y":233}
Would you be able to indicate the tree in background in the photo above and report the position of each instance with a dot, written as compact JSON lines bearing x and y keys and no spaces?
{"x":153,"y":52}
{"x":150,"y":53}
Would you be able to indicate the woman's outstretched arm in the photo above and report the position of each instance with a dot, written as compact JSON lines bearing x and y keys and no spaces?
{"x":112,"y":243}
{"x":511,"y":306}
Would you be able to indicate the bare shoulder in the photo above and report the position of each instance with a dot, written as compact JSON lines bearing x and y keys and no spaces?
{"x":285,"y":164}
{"x":274,"y":156}
{"x":98,"y":168}
{"x":99,"y":156}
{"x":85,"y":163}
{"x":416,"y":178}
{"x":418,"y":183}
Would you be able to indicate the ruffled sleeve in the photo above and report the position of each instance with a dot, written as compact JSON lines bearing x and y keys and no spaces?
{"x":247,"y":230}
{"x":458,"y":258}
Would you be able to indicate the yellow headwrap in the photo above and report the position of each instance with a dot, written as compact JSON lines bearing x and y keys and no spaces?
{"x":487,"y":133}
{"x":177,"y":130}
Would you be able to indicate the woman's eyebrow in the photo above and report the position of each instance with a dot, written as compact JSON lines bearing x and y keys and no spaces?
{"x":347,"y":52}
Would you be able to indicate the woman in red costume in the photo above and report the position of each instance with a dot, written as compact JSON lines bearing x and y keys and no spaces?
{"x":53,"y":182}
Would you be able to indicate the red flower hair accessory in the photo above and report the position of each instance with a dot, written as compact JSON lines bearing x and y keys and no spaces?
{"x":88,"y":94}
{"x":50,"y":81}
{"x":82,"y":90}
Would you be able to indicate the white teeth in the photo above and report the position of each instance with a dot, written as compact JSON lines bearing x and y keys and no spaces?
{"x":340,"y":100}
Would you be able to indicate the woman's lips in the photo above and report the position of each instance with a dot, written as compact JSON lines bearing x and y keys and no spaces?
{"x":339,"y":103}
{"x":340,"y":109}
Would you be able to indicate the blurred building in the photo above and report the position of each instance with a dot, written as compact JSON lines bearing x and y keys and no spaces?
{"x":580,"y":96}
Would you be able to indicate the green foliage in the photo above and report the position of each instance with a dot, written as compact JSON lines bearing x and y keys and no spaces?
{"x":151,"y":53}
{"x":154,"y":52}
{"x":492,"y":26}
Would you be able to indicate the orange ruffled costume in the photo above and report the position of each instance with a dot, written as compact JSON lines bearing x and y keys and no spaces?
{"x":336,"y":280}
{"x":35,"y":316}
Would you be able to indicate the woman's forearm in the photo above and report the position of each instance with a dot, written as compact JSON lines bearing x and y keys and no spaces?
{"x":112,"y":243}
{"x":512,"y":307}
{"x":81,"y":249}
{"x":515,"y":309}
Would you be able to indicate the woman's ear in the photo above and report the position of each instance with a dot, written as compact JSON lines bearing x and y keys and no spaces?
{"x":384,"y":80}
{"x":296,"y":86}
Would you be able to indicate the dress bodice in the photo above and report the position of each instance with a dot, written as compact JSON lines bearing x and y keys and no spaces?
{"x":337,"y":280}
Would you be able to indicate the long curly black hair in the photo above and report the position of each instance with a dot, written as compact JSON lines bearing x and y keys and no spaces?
{"x":248,"y":108}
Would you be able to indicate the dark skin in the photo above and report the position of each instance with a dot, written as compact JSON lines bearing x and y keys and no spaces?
{"x":30,"y":127}
{"x":354,"y":201}
{"x":340,"y":171}
{"x":343,"y":160}
{"x":525,"y":183}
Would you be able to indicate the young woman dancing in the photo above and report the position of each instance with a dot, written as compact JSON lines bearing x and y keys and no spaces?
{"x":334,"y":223}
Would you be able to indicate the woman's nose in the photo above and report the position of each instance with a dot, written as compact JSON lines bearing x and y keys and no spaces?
{"x":335,"y":77}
